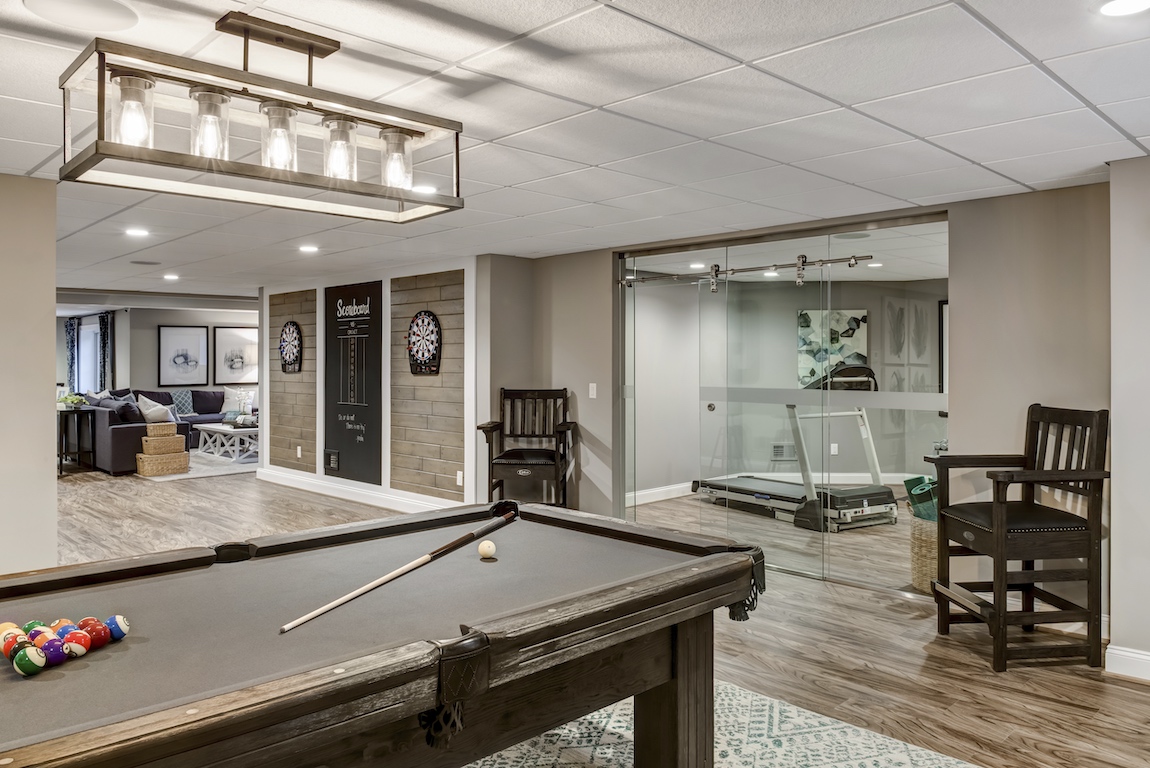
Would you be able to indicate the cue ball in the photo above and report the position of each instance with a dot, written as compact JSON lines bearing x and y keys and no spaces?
{"x":487,"y":549}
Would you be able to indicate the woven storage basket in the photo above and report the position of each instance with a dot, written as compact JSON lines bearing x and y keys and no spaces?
{"x":164,"y":464}
{"x":161,"y":429}
{"x":923,"y":553}
{"x":158,"y":446}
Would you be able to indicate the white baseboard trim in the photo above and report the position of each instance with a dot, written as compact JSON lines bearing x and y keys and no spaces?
{"x":835,"y":478}
{"x":1128,"y":662}
{"x":376,"y":498}
{"x":658,"y":494}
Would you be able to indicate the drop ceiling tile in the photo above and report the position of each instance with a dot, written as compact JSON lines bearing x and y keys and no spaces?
{"x":500,"y":165}
{"x":30,"y":121}
{"x":918,"y":51}
{"x":725,"y":102}
{"x":1055,"y":29}
{"x":32,"y":70}
{"x":630,"y":233}
{"x":742,"y":216}
{"x":518,"y":202}
{"x":154,"y":219}
{"x":1075,"y":181}
{"x":768,"y":182}
{"x":590,"y":215}
{"x":884,"y":162}
{"x":522,"y":227}
{"x":953,"y":197}
{"x":86,"y":209}
{"x":1104,"y":75}
{"x":194,"y":205}
{"x":1000,"y":97}
{"x":835,"y":201}
{"x":439,"y":28}
{"x":1072,"y":163}
{"x":744,"y":28}
{"x":537,"y":247}
{"x":1133,"y":115}
{"x":67,"y":225}
{"x":963,"y":179}
{"x":338,"y":240}
{"x":102,"y":194}
{"x":593,"y":185}
{"x":23,"y":156}
{"x":599,"y":57}
{"x":596,"y":138}
{"x":819,"y":135}
{"x":441,"y":148}
{"x":489,"y":108}
{"x":1035,"y":136}
{"x":688,"y":163}
{"x":665,"y":202}
{"x":467,"y":187}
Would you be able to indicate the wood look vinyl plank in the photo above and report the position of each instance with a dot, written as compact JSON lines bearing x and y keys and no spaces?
{"x":867,"y":657}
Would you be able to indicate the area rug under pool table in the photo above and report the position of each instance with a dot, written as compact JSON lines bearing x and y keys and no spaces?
{"x":751,"y":731}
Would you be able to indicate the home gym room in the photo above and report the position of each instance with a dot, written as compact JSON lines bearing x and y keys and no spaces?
{"x":812,"y":373}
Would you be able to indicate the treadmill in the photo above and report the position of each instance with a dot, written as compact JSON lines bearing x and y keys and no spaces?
{"x":807,"y":505}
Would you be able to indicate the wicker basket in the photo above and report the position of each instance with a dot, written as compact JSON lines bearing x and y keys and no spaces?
{"x":158,"y":446}
{"x":923,"y":553}
{"x":164,"y":464}
{"x":161,"y":429}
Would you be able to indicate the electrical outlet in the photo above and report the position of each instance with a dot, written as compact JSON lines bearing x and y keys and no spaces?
{"x":459,"y":477}
{"x":834,"y":449}
{"x":593,"y":391}
{"x":299,"y":451}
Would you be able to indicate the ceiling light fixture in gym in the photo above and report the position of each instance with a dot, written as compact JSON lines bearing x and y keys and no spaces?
{"x":143,"y":119}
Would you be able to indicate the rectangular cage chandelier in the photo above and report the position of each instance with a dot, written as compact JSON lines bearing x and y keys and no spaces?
{"x":152,"y":121}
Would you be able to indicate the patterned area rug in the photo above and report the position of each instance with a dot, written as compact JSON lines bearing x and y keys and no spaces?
{"x":207,"y":465}
{"x":751,"y":731}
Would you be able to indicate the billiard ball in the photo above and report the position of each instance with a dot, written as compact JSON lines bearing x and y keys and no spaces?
{"x":55,"y":625}
{"x":55,"y":652}
{"x":118,"y":626}
{"x":18,"y":646}
{"x":29,"y":661}
{"x":77,"y":642}
{"x":487,"y":549}
{"x":86,"y":621}
{"x":10,"y":632}
{"x":66,"y":629}
{"x":100,"y":633}
{"x":39,"y":638}
{"x":11,"y":643}
{"x":32,"y":625}
{"x":9,"y":625}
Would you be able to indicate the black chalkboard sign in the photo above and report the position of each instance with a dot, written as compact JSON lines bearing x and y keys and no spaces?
{"x":353,"y":439}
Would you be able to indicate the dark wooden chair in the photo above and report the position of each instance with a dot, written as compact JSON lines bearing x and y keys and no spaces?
{"x":1066,"y":455}
{"x":532,"y":440}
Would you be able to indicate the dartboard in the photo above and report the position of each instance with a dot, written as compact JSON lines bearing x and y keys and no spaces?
{"x":291,"y":346}
{"x":424,"y":338}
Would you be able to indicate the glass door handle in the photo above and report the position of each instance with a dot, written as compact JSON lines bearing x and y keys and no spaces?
{"x":710,"y":406}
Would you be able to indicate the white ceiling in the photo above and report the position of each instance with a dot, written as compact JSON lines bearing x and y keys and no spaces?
{"x":607,"y":124}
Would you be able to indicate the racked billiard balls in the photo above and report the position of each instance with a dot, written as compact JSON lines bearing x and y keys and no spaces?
{"x":32,"y":625}
{"x":29,"y":661}
{"x":77,"y":642}
{"x":54,"y":652}
{"x":55,"y":625}
{"x":41,"y":635}
{"x":100,"y":633}
{"x":118,"y":626}
{"x":65,"y":629}
{"x":12,"y":642}
{"x":84,"y":622}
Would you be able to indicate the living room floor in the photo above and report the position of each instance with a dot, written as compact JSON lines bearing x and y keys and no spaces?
{"x":867,"y":657}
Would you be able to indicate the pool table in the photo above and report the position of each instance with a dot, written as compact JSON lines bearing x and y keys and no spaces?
{"x":575,"y":612}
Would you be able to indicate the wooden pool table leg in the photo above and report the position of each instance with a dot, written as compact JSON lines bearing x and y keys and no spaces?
{"x":675,"y":722}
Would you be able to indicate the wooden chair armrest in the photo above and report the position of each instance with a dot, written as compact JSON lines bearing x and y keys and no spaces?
{"x":566,"y":426}
{"x":1047,"y":475}
{"x":951,"y":461}
{"x":490,"y":426}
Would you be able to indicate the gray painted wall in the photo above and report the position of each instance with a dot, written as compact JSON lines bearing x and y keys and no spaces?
{"x":27,"y":380}
{"x":144,"y":338}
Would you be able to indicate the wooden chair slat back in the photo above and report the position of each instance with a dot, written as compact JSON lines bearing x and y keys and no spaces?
{"x":532,"y":413}
{"x":1066,"y":439}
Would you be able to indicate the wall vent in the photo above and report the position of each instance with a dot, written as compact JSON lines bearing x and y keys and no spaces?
{"x":783,"y":452}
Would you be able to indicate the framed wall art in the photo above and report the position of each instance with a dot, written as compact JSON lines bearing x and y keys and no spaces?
{"x":237,"y":355}
{"x":182,"y":356}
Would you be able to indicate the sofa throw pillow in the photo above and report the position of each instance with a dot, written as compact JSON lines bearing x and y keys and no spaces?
{"x":207,"y":401}
{"x":127,"y":397}
{"x":126,"y":412}
{"x":182,"y":400}
{"x":94,"y":398}
{"x":237,"y":400}
{"x":155,"y":412}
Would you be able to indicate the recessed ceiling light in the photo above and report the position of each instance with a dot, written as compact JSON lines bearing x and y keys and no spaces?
{"x":770,"y":274}
{"x":851,"y":236}
{"x":309,"y":249}
{"x":171,"y":277}
{"x":146,"y":263}
{"x":1113,"y":8}
{"x":424,"y":189}
{"x":874,"y":264}
{"x":88,"y":15}
{"x":698,"y":266}
{"x":136,"y":232}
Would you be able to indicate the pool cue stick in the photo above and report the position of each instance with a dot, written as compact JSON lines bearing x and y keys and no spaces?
{"x":466,"y":538}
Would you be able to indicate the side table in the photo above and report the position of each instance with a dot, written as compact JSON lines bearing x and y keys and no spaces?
{"x":73,"y":417}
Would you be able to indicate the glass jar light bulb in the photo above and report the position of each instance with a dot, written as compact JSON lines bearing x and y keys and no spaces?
{"x":210,"y":122}
{"x":279,"y":135}
{"x":340,"y":147}
{"x":131,"y":121}
{"x":397,"y":164}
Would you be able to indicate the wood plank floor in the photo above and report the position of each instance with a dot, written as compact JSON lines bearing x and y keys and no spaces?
{"x":867,"y":657}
